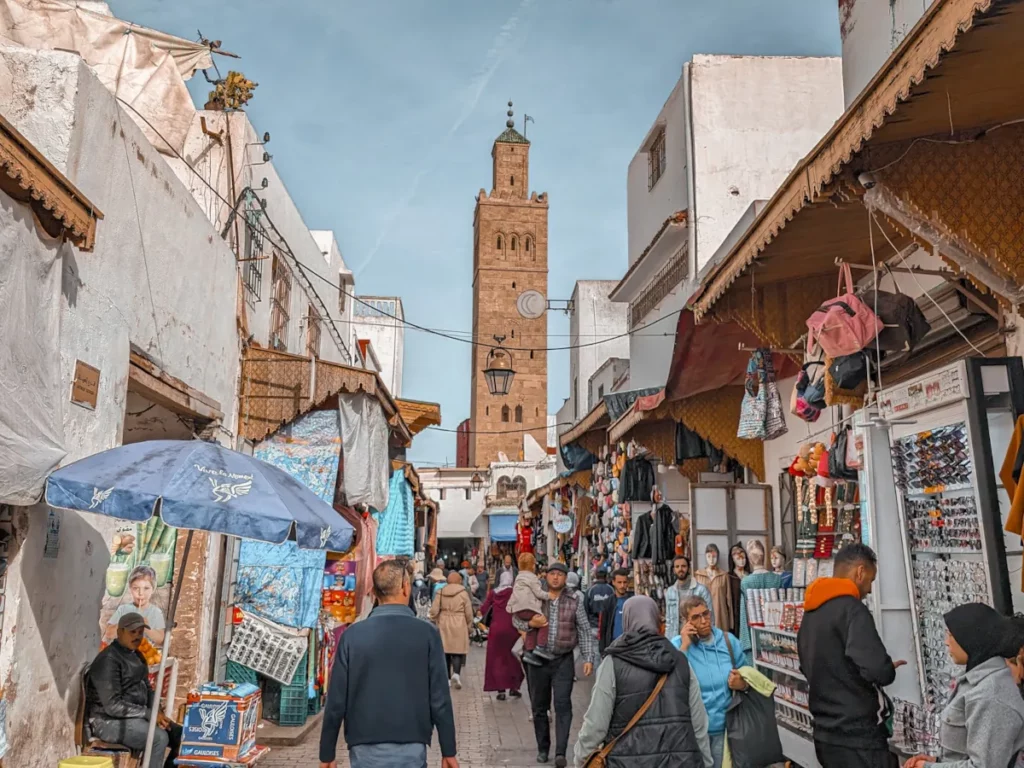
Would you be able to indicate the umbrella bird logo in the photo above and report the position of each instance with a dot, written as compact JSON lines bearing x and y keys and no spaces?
{"x":224,"y":492}
{"x":213,"y":719}
{"x":325,"y":534}
{"x":98,"y":497}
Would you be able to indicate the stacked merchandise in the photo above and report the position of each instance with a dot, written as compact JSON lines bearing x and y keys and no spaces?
{"x":338,"y":601}
{"x":828,"y":518}
{"x":775,"y":616}
{"x":609,"y":523}
{"x":220,"y":726}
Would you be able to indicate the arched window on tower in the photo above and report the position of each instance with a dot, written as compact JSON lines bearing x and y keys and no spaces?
{"x":515,"y":242}
{"x":505,"y":413}
{"x":501,"y":242}
{"x":529,"y":245}
{"x":519,"y":414}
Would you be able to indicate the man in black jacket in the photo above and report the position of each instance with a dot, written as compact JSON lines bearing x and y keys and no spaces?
{"x":597,"y":596}
{"x":389,"y":685}
{"x":610,"y":622}
{"x":846,"y":665}
{"x":118,"y":696}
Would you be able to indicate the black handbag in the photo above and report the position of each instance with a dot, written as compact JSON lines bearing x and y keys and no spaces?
{"x":849,"y":371}
{"x":837,"y":468}
{"x":905,"y":323}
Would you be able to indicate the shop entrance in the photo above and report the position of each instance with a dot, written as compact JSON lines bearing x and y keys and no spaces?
{"x":455,"y":551}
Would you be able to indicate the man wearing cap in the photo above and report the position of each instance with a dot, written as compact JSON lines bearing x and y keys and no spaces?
{"x":568,"y":627}
{"x":118,"y":697}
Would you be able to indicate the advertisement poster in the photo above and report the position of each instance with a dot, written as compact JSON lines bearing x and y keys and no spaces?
{"x":139,"y":577}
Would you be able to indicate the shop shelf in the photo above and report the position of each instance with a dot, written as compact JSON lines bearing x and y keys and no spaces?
{"x":791,"y":704}
{"x":783,"y":670}
{"x":239,"y":673}
{"x":773,"y":630}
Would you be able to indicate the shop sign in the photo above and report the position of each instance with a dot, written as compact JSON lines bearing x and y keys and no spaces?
{"x":562,"y":523}
{"x":946,"y":385}
{"x":86,"y":386}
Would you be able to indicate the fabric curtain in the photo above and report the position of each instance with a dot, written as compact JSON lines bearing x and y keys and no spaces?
{"x":396,"y":524}
{"x":364,"y":437}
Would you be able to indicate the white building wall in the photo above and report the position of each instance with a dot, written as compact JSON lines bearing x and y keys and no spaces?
{"x":647,"y":209}
{"x":650,"y":348}
{"x":603,"y":380}
{"x":594,"y":318}
{"x":458,"y":516}
{"x":159,"y":278}
{"x":564,"y":420}
{"x":387,"y":334}
{"x":871,"y":30}
{"x":754,"y":118}
{"x":328,"y":245}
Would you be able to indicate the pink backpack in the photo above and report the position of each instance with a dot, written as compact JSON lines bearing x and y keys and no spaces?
{"x":843,"y":325}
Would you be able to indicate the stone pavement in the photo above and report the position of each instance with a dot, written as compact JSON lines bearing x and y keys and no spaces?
{"x":491,"y":733}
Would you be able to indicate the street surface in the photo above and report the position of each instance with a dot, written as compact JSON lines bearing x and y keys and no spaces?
{"x":490,"y":732}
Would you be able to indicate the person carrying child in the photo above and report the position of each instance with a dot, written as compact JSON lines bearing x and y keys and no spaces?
{"x":530,"y":599}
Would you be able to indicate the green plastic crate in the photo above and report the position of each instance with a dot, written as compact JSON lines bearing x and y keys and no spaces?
{"x":239,"y":673}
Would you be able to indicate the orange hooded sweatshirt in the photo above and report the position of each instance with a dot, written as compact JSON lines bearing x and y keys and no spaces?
{"x":828,"y":588}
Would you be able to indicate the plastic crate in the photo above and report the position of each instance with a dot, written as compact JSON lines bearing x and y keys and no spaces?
{"x":239,"y":673}
{"x":285,"y":705}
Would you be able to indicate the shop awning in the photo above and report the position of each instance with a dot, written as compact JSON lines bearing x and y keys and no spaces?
{"x":597,"y":418}
{"x":419,"y":415}
{"x":935,"y":125}
{"x":502,"y":527}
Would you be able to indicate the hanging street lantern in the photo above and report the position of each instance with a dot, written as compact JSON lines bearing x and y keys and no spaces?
{"x":499,"y":372}
{"x":477,"y":482}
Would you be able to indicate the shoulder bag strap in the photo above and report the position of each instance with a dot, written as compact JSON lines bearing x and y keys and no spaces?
{"x":728,"y":644}
{"x":603,"y":754}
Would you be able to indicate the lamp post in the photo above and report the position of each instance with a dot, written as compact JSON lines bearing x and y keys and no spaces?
{"x":499,"y":371}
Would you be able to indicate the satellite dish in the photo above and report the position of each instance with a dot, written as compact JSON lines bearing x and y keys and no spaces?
{"x":531,"y":304}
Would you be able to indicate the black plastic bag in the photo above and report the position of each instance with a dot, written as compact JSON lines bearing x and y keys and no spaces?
{"x":837,"y":468}
{"x":752,"y":731}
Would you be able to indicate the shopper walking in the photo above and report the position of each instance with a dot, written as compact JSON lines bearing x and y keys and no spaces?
{"x":388,"y":685}
{"x":713,"y":656}
{"x":673,"y":731}
{"x":452,"y":611}
{"x":568,"y":627}
{"x":983,"y":724}
{"x":597,"y":596}
{"x":684,"y":588}
{"x":502,"y":670}
{"x":610,"y":623}
{"x":846,"y":665}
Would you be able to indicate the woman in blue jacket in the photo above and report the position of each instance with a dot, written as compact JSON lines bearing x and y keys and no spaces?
{"x":713,"y":656}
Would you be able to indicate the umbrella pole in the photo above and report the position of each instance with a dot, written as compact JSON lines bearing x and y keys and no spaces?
{"x":172,"y":608}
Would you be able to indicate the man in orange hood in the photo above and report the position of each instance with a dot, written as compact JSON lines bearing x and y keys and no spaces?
{"x":846,"y":665}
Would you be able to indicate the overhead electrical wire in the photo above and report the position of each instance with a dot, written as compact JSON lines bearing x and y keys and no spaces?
{"x":283,"y":245}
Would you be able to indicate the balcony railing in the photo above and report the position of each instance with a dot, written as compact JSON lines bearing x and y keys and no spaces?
{"x":663,"y":283}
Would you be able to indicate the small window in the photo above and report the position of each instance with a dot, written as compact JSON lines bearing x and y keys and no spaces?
{"x":536,"y":411}
{"x":527,"y":245}
{"x":469,"y":494}
{"x":600,"y":392}
{"x":512,"y":180}
{"x":487,"y":410}
{"x":656,"y":159}
{"x":519,"y":414}
{"x":513,"y":283}
{"x":500,"y":243}
{"x":505,"y":413}
{"x":531,"y":354}
{"x":444,"y":494}
{"x":514,"y":242}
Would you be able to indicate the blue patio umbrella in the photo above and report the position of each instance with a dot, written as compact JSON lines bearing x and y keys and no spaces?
{"x":197,"y":486}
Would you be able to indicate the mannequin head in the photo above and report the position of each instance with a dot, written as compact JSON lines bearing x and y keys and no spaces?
{"x":711,"y":556}
{"x":738,"y":559}
{"x":778,"y":559}
{"x":755,"y":551}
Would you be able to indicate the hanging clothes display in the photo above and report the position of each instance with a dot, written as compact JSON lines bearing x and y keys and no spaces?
{"x":396,"y":523}
{"x":364,"y":433}
{"x":689,"y":445}
{"x":637,"y":480}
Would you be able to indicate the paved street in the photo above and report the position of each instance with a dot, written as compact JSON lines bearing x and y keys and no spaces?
{"x":490,"y":732}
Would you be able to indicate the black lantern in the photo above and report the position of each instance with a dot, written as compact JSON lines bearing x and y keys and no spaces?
{"x":477,"y":482}
{"x":499,"y":372}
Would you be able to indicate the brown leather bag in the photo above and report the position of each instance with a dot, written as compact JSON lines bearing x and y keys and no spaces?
{"x":598,"y":758}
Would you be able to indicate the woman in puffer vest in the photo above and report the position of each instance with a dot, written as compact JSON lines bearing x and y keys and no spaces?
{"x":673,"y":732}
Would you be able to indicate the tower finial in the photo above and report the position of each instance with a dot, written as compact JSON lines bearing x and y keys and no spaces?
{"x":510,"y":123}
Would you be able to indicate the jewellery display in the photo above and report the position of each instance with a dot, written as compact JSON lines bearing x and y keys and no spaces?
{"x":947,"y":525}
{"x":777,"y":650}
{"x":934,"y":461}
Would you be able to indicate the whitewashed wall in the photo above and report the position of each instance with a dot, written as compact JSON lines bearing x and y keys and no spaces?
{"x":594,"y":318}
{"x":160,"y":278}
{"x":387,"y":335}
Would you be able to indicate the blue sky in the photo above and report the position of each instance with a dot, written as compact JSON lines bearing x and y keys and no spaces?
{"x":383,"y":113}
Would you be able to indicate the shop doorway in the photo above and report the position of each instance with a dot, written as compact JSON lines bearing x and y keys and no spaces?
{"x":455,"y":551}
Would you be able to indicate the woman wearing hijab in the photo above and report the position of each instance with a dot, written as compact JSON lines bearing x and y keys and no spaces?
{"x":673,"y":732}
{"x":983,"y":724}
{"x":502,"y":670}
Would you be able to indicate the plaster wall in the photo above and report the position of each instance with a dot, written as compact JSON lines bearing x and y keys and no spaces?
{"x":754,"y":118}
{"x":597,"y":328}
{"x":458,"y":517}
{"x":160,"y":278}
{"x":386,"y":335}
{"x":604,"y":378}
{"x":650,"y":348}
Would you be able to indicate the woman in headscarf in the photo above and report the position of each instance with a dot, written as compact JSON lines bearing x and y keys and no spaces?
{"x":983,"y":724}
{"x":452,"y":611}
{"x":502,"y":670}
{"x":673,"y":732}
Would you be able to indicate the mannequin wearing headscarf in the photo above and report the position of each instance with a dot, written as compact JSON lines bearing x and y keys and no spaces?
{"x":983,"y":724}
{"x":502,"y":671}
{"x":674,"y":730}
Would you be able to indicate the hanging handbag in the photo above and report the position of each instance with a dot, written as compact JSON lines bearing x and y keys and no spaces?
{"x":775,"y":422}
{"x":904,"y":322}
{"x":849,"y":371}
{"x":843,"y":325}
{"x":754,"y":408}
{"x":752,"y":732}
{"x":837,"y":466}
{"x":836,"y":395}
{"x":599,"y":757}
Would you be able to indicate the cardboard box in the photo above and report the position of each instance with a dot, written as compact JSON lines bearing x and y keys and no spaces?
{"x":220,"y":722}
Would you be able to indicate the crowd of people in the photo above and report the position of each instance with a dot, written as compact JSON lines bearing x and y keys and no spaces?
{"x":663,"y":686}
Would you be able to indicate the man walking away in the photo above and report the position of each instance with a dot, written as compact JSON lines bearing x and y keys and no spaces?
{"x":481,"y":585}
{"x":846,"y":666}
{"x":610,"y":625}
{"x":389,"y":685}
{"x":567,"y":627}
{"x":597,"y":596}
{"x":685,"y":587}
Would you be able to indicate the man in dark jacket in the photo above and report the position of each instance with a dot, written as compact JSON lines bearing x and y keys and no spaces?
{"x":389,"y":685}
{"x":118,"y":696}
{"x":674,"y":731}
{"x":610,"y":622}
{"x":846,"y":665}
{"x":599,"y":594}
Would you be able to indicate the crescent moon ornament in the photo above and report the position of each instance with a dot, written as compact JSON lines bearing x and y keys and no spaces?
{"x":531,"y":304}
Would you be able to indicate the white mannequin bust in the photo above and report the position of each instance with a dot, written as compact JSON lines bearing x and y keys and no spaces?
{"x":711,"y":559}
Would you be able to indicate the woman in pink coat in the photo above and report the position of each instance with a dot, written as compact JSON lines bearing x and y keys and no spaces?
{"x":502,"y":670}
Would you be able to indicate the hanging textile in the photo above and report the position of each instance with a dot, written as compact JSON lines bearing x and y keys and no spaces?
{"x":364,"y":434}
{"x":502,"y":527}
{"x":397,"y":523}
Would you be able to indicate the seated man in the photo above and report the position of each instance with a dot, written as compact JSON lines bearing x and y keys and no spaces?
{"x":118,"y":697}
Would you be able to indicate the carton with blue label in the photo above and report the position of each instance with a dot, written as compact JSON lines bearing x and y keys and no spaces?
{"x":220,"y":722}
